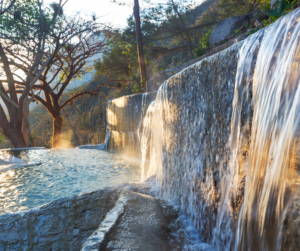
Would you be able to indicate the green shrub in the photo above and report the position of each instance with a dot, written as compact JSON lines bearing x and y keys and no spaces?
{"x":198,"y":52}
{"x":137,"y":89}
{"x":2,"y":138}
{"x":204,"y":40}
{"x":281,"y":7}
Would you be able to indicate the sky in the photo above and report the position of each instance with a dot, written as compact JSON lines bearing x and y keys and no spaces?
{"x":106,"y":9}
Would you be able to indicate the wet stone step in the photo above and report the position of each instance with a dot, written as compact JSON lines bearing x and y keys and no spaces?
{"x":142,"y":226}
{"x":139,"y":222}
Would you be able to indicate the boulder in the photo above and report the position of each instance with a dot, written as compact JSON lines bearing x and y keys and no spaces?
{"x":226,"y":28}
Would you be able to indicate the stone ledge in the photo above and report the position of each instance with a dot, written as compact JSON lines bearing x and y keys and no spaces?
{"x":97,"y":238}
{"x":63,"y":224}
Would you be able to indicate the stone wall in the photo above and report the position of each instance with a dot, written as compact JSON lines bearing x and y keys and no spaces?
{"x":124,"y":117}
{"x":62,"y":225}
{"x":196,"y":115}
{"x":193,"y":127}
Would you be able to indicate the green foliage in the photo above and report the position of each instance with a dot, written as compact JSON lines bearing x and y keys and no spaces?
{"x":20,"y":22}
{"x":137,"y":88}
{"x":2,"y":138}
{"x":204,"y":42}
{"x":198,"y":52}
{"x":119,"y":59}
{"x":282,"y":8}
{"x":277,"y":12}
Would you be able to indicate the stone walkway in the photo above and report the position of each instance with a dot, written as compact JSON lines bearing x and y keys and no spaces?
{"x":139,"y":222}
{"x":142,"y":226}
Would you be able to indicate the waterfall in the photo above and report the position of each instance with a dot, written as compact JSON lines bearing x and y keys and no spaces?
{"x":269,"y":171}
{"x":271,"y":174}
{"x":243,"y":203}
{"x":159,"y":149}
{"x":151,"y":140}
{"x":146,"y":143}
{"x":232,"y":176}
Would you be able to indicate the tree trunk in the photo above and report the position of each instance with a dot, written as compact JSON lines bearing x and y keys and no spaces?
{"x":184,"y":28}
{"x":139,"y":41}
{"x":25,"y":124}
{"x":57,"y":127}
{"x":16,"y":137}
{"x":25,"y":133}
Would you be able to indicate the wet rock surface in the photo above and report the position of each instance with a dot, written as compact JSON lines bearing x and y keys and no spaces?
{"x":124,"y":118}
{"x":291,"y":228}
{"x":142,"y":226}
{"x":141,"y":222}
{"x":197,"y":106}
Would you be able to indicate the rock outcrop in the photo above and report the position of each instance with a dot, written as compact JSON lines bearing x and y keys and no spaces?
{"x":226,"y":28}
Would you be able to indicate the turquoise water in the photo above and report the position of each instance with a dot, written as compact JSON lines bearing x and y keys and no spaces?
{"x":63,"y":173}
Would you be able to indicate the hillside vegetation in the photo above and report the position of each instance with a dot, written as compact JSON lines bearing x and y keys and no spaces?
{"x":172,"y":34}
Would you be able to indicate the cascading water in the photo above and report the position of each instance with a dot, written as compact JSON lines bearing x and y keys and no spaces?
{"x":151,"y":141}
{"x":182,"y":131}
{"x":269,"y":170}
{"x":232,"y":176}
{"x":146,"y":143}
{"x":242,"y":206}
{"x":271,"y":175}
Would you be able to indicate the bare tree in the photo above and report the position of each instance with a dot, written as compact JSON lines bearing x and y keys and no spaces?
{"x":73,"y":44}
{"x":18,"y":35}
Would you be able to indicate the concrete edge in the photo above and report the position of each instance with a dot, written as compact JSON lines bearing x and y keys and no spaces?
{"x":97,"y":147}
{"x":10,"y":166}
{"x":132,"y":95}
{"x":23,"y":149}
{"x":95,"y":240}
{"x":49,"y":204}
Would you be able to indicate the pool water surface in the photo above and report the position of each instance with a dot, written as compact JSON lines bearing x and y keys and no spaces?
{"x":62,"y":173}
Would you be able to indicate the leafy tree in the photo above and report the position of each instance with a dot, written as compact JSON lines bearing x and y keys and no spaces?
{"x":118,"y":60}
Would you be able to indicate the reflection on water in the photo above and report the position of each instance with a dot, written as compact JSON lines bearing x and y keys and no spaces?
{"x":62,"y":173}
